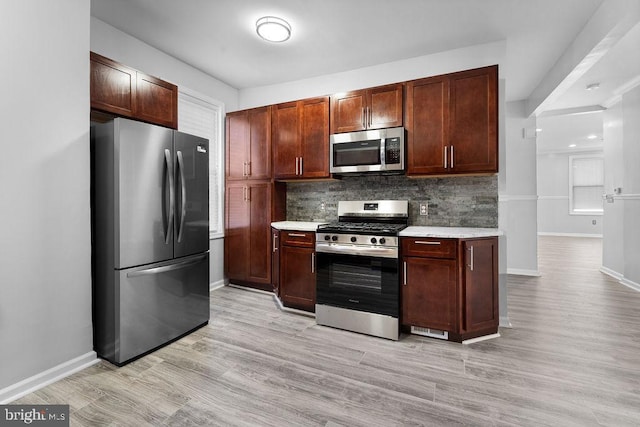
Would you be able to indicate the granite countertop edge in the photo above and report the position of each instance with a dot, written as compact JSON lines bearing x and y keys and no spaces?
{"x":296,"y":225}
{"x":450,"y":232}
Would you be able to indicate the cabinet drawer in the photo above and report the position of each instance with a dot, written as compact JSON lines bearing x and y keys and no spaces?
{"x":298,"y":238}
{"x":429,"y":247}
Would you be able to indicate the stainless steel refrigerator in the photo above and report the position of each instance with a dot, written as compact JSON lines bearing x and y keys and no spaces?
{"x":150,"y":237}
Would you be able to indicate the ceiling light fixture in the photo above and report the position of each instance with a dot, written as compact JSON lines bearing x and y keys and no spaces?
{"x":593,"y":86}
{"x":572,"y":146}
{"x":592,"y":136}
{"x":273,"y":29}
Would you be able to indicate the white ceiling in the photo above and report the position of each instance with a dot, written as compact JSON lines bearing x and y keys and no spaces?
{"x":329,"y":36}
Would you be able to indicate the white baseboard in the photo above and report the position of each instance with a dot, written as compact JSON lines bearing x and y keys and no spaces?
{"x":505,"y":322}
{"x":621,"y":279}
{"x":546,"y":233}
{"x":36,"y":382}
{"x":630,"y":284}
{"x":522,"y":272}
{"x":484,"y":338}
{"x":216,"y":285}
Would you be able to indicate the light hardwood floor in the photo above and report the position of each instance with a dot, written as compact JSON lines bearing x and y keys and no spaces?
{"x":572,"y":358}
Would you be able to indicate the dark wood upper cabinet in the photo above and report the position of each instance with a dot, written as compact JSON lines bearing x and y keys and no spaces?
{"x":300,"y":134}
{"x":248,"y":135}
{"x":112,"y":86}
{"x":452,"y":123}
{"x":123,"y":91}
{"x":374,"y":108}
{"x":427,"y":125}
{"x":156,"y":101}
{"x":473,"y":120}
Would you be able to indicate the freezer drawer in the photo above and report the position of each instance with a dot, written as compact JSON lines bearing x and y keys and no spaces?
{"x":153,"y":305}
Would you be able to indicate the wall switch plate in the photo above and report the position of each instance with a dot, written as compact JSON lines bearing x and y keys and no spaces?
{"x":424,"y":209}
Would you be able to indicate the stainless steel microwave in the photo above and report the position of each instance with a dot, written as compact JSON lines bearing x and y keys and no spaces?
{"x":380,"y":150}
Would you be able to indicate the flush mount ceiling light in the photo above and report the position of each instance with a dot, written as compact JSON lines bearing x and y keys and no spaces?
{"x":593,"y":86}
{"x":273,"y":29}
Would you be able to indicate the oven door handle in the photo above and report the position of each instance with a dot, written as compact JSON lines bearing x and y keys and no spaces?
{"x":373,"y":251}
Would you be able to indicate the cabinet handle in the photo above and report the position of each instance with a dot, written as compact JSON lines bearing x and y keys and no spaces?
{"x":313,"y":262}
{"x":297,"y":165}
{"x":297,"y":235}
{"x":248,"y":194}
{"x":471,"y":256}
{"x":452,"y":157}
{"x":445,"y":156}
{"x":368,"y":117}
{"x":244,"y":193}
{"x":364,"y":118}
{"x":421,"y":242}
{"x":248,"y":168}
{"x":300,"y":165}
{"x":275,"y":237}
{"x":404,"y":269}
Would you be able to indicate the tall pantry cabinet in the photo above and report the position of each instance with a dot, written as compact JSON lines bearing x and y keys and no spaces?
{"x":252,"y":199}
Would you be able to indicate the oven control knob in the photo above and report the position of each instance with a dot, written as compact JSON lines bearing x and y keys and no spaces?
{"x":373,"y":240}
{"x":334,"y":238}
{"x":382,"y":241}
{"x":353,"y":239}
{"x":326,"y":237}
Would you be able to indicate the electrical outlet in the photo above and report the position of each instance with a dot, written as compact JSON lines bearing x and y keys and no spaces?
{"x":323,"y":206}
{"x":424,"y":209}
{"x":593,"y":222}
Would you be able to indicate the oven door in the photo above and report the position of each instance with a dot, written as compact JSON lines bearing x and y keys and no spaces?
{"x":358,"y":282}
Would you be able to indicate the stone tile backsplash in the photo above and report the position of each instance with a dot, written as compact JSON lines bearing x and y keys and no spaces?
{"x":458,"y":201}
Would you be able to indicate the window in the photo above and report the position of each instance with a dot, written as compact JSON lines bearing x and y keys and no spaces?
{"x":202,"y":116}
{"x":586,"y":185}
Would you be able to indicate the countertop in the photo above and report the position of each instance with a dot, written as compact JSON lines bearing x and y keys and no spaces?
{"x":450,"y":232}
{"x":296,"y":225}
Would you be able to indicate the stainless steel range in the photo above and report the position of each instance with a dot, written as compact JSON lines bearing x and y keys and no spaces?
{"x":358,"y":274}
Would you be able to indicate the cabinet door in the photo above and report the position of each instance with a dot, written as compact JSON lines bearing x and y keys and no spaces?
{"x":473,"y":121}
{"x":237,"y":136}
{"x":236,"y":239}
{"x":286,"y":140}
{"x":348,"y":111}
{"x":314,"y":138}
{"x":259,"y":241}
{"x":113,"y":86}
{"x":429,"y":293}
{"x":259,"y":158}
{"x":481,"y":312}
{"x":156,"y":101}
{"x":427,"y":125}
{"x":298,"y":277}
{"x":384,"y":107}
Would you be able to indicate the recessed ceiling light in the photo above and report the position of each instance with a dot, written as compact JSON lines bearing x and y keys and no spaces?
{"x":273,"y":29}
{"x":593,"y":86}
{"x":572,"y":146}
{"x":538,"y":129}
{"x":592,"y":136}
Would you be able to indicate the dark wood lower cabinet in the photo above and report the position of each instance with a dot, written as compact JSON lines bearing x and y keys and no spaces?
{"x":451,"y":285}
{"x":297,"y":285}
{"x":250,"y":209}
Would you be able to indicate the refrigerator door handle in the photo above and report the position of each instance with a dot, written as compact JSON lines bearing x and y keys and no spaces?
{"x":172,"y":197}
{"x":166,"y":268}
{"x":183,"y":198}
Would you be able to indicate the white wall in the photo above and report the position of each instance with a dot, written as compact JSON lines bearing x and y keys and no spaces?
{"x":613,"y":219}
{"x":393,"y":72}
{"x":114,"y":44}
{"x":631,"y":185}
{"x":519,"y":197}
{"x":45,"y":248}
{"x":553,"y":198}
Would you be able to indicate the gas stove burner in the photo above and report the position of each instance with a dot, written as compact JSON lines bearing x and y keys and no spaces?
{"x":362,"y":228}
